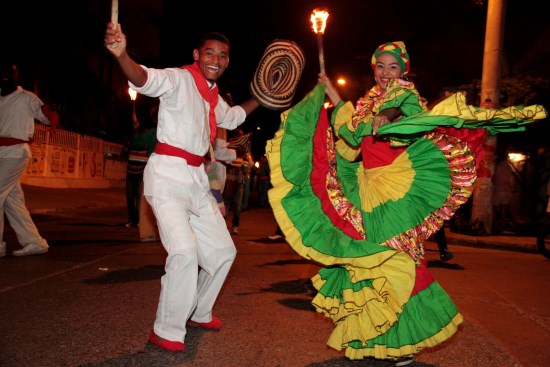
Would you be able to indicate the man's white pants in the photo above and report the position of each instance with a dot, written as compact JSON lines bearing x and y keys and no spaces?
{"x":200,"y":254}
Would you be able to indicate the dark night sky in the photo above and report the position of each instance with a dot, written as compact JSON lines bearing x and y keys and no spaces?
{"x":65,"y":57}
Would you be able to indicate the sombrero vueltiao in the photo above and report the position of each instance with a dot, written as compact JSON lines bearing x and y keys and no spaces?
{"x":278,"y":74}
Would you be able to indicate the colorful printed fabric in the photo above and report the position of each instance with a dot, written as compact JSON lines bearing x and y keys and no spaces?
{"x":367,"y":225}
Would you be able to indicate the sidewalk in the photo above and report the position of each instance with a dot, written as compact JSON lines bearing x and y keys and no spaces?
{"x":512,"y":242}
{"x":42,"y":200}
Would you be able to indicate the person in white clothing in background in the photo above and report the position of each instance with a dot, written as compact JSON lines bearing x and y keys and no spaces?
{"x":192,"y":229}
{"x":18,"y":110}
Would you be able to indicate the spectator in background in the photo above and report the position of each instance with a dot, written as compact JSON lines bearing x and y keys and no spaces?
{"x":441,"y":240}
{"x":148,"y":231}
{"x":215,"y":184}
{"x":249,"y":167}
{"x":502,"y":191}
{"x":263,"y":181}
{"x":137,"y":159}
{"x":439,"y":236}
{"x":237,"y":172}
{"x":18,"y":110}
{"x":240,"y":142}
{"x":217,"y":171}
{"x":223,"y":156}
{"x":231,"y":185}
{"x":52,"y":115}
{"x":277,"y":235}
{"x":482,"y":170}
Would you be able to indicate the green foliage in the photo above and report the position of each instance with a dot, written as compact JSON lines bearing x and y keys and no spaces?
{"x":515,"y":90}
{"x":524,"y":90}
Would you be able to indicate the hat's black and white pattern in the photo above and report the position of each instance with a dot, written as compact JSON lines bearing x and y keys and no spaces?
{"x":278,"y":74}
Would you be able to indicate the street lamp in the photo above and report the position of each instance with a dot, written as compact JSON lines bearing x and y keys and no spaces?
{"x":133,"y":96}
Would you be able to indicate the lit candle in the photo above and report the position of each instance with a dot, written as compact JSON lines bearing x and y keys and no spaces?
{"x":319,"y":22}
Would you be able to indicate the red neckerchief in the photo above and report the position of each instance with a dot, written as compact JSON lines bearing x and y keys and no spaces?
{"x":209,"y":95}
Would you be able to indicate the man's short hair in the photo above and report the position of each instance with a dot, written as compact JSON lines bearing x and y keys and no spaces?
{"x":216,"y":36}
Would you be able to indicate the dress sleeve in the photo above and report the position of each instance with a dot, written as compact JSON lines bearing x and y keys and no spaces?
{"x":403,"y":97}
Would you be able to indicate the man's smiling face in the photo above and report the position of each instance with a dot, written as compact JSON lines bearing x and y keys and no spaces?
{"x":212,"y":59}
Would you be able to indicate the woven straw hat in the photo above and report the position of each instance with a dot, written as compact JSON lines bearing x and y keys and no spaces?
{"x":277,"y":76}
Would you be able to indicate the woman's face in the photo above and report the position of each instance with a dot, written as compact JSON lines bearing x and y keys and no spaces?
{"x":386,"y":68}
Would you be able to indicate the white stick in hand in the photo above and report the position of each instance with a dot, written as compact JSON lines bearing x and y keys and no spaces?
{"x":114,"y":12}
{"x":114,"y":19}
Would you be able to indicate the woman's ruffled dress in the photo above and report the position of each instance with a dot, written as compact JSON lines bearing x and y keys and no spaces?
{"x":363,"y":206}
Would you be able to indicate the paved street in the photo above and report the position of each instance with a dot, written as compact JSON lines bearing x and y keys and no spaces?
{"x":91,"y":300}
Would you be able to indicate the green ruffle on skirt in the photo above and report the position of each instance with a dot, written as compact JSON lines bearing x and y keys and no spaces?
{"x":375,"y":286}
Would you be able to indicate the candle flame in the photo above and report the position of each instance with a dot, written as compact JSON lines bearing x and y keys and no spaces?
{"x":132,"y":93}
{"x":319,"y":20}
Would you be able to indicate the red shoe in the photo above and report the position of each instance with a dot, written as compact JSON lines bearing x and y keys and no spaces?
{"x":166,"y":344}
{"x":215,"y":324}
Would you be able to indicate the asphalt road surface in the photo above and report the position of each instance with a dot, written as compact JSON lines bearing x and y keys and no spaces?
{"x":91,"y":300}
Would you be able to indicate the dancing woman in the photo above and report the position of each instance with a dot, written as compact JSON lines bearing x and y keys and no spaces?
{"x":361,"y":193}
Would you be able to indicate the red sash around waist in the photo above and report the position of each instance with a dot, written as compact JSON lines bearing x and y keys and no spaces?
{"x":7,"y":141}
{"x":167,"y":149}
